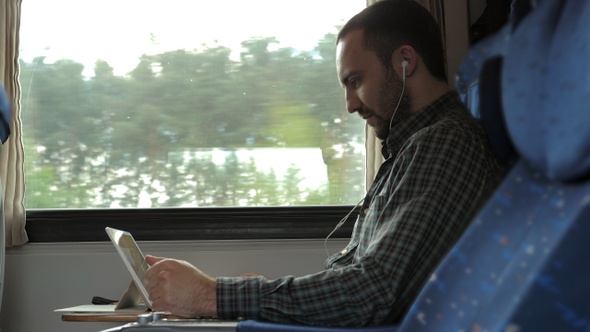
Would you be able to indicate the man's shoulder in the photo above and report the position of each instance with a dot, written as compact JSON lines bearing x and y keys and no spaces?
{"x":453,"y":122}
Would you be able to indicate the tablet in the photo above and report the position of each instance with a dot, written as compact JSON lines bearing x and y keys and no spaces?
{"x":133,"y":259}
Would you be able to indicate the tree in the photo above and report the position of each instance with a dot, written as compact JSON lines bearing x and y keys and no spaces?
{"x":143,"y":138}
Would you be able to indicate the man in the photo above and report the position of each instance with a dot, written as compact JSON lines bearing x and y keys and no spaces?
{"x":438,"y":168}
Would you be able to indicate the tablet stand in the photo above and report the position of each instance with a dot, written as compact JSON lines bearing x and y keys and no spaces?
{"x":132,"y":298}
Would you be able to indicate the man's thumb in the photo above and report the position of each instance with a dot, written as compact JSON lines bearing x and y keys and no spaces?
{"x":151,"y":260}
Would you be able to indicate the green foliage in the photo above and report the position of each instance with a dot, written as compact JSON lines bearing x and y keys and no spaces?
{"x":128,"y":141}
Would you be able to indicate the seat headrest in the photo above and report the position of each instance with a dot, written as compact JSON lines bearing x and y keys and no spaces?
{"x":546,"y":89}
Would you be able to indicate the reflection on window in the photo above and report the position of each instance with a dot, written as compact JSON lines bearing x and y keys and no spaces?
{"x":221,"y":103}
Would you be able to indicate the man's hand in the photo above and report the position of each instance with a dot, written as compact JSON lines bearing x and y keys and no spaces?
{"x":180,"y":288}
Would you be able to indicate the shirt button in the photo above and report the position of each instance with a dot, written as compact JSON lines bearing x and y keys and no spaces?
{"x":365,"y":211}
{"x":344,"y":251}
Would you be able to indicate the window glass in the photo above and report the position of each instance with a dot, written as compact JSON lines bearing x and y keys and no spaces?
{"x":186,"y":103}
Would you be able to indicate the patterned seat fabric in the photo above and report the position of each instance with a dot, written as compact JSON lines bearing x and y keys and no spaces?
{"x":524,"y":245}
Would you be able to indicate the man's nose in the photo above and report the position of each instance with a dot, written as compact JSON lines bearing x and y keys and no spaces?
{"x":353,"y":103}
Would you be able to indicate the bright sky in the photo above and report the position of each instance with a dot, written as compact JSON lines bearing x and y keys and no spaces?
{"x":118,"y":31}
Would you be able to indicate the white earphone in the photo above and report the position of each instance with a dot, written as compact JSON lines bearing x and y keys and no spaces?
{"x":404,"y":64}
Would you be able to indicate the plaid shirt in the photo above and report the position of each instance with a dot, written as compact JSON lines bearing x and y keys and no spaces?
{"x":438,"y":170}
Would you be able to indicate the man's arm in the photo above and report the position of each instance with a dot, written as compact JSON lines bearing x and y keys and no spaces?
{"x":435,"y":187}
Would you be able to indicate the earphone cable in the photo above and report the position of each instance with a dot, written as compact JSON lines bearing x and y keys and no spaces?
{"x":340,"y":223}
{"x":400,"y":96}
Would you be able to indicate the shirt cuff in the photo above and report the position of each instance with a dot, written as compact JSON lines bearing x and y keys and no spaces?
{"x":238,"y":297}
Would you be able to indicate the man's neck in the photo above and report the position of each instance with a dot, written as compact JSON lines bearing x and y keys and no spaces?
{"x":425,"y":94}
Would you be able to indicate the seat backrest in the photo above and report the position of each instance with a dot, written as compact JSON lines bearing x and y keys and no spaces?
{"x":523,"y":263}
{"x":478,"y":85}
{"x":513,"y":251}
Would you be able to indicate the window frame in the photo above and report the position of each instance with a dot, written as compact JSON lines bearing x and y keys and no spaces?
{"x":177,"y":224}
{"x":209,"y":223}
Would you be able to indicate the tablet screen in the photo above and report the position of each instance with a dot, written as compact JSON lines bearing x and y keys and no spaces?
{"x":133,"y":259}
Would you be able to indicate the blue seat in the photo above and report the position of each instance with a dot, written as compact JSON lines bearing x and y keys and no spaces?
{"x":257,"y":326}
{"x":5,"y":115}
{"x":522,"y":265}
{"x":526,"y":243}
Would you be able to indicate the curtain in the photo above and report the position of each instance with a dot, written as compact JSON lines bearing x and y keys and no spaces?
{"x":374,"y":158}
{"x":12,"y":155}
{"x":435,"y":7}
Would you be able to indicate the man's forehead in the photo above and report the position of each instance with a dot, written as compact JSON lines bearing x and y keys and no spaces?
{"x":352,"y":41}
{"x":350,"y":53}
{"x":349,"y":47}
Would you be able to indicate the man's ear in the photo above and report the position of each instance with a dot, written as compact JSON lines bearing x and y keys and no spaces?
{"x":405,"y":54}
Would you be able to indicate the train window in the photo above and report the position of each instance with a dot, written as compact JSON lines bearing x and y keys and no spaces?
{"x":183,"y":103}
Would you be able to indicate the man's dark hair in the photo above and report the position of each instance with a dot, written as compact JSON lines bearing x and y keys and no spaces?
{"x":388,"y":24}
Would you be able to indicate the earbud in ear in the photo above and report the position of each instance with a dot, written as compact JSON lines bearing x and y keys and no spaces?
{"x":404,"y":64}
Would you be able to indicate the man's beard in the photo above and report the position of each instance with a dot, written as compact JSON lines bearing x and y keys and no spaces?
{"x":389,"y":97}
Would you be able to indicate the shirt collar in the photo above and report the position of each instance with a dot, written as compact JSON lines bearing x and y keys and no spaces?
{"x":402,"y":131}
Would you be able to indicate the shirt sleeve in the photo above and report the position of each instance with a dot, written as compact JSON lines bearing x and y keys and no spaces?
{"x":427,"y":202}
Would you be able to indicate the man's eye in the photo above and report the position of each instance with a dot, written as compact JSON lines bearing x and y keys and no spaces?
{"x":354,"y":83}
